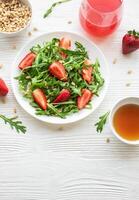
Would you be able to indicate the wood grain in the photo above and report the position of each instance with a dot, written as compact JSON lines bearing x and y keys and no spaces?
{"x":72,"y":161}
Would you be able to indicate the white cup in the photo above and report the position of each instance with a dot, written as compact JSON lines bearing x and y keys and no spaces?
{"x":120,"y":103}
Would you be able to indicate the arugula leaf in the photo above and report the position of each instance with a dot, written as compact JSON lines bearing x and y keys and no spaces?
{"x":49,"y":11}
{"x":102,"y":121}
{"x":14,"y":123}
{"x":98,"y":80}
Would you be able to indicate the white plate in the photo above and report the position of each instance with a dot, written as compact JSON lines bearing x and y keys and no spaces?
{"x":94,"y":53}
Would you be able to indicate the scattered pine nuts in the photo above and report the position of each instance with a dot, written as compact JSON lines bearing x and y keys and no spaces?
{"x":108,"y":140}
{"x":14,"y":15}
{"x":15,"y":111}
{"x":29,"y":34}
{"x":69,"y":22}
{"x":13,"y":46}
{"x":115,"y":61}
{"x":128,"y":84}
{"x":129,"y":72}
{"x":28,"y":77}
{"x":3,"y":100}
{"x":35,"y":29}
{"x":60,"y":128}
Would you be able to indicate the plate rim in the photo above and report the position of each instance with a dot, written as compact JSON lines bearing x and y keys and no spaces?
{"x":64,"y":121}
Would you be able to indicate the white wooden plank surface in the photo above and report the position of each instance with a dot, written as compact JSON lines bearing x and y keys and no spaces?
{"x":72,"y":163}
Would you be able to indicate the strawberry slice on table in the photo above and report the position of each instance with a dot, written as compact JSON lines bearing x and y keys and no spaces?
{"x":87,"y":71}
{"x":65,"y":43}
{"x":63,"y":96}
{"x":57,"y":69}
{"x":27,"y":61}
{"x":3,"y":88}
{"x":84,"y":99}
{"x":40,"y":98}
{"x":130,"y":42}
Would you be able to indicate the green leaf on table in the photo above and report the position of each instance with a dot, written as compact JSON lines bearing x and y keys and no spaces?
{"x":49,"y":11}
{"x":102,"y":121}
{"x":14,"y":123}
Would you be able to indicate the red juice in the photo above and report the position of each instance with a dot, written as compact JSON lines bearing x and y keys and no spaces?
{"x":100,"y":17}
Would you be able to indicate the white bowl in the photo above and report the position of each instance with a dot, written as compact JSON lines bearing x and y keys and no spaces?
{"x":21,"y":31}
{"x":125,"y":101}
{"x":94,"y":53}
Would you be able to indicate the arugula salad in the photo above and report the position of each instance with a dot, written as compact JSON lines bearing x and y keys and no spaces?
{"x":58,"y":80}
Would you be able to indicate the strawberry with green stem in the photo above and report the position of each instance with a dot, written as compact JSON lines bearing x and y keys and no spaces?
{"x":130,"y":42}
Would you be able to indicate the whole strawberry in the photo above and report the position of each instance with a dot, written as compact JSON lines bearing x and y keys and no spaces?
{"x":130,"y":42}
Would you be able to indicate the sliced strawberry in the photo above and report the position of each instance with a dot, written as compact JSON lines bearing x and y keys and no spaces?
{"x":40,"y":98}
{"x":87,"y":62}
{"x":84,"y":99}
{"x":87,"y":71}
{"x":57,"y":69}
{"x":87,"y":74}
{"x":65,"y":43}
{"x":3,"y":88}
{"x":27,"y":61}
{"x":64,"y":55}
{"x":130,"y":42}
{"x":63,"y":96}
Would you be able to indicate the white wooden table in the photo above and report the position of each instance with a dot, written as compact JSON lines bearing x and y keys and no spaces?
{"x":70,"y":162}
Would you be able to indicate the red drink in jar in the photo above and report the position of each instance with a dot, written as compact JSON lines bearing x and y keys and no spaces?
{"x":101,"y":17}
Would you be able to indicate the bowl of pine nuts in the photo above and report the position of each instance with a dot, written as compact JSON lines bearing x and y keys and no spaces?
{"x":15,"y":16}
